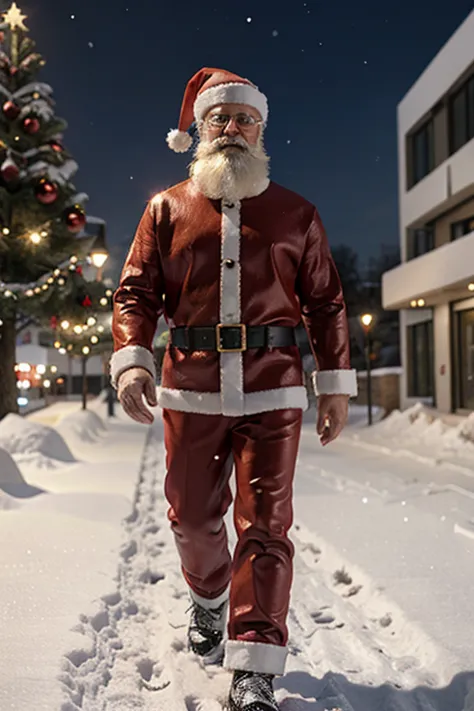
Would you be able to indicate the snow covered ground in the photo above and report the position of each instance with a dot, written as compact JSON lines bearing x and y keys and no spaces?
{"x":93,"y":606}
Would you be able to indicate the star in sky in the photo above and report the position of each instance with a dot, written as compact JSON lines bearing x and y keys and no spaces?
{"x":14,"y":18}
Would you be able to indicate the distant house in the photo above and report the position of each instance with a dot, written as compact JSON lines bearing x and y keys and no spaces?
{"x":433,"y":287}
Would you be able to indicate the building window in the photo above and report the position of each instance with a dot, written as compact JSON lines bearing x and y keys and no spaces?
{"x":461,"y":116}
{"x":422,"y":152}
{"x":420,"y":241}
{"x":420,"y":359}
{"x":461,"y":228}
{"x":46,"y":339}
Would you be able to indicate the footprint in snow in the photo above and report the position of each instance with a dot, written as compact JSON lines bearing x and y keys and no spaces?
{"x":322,"y":619}
{"x":112,"y":599}
{"x":129,"y":550}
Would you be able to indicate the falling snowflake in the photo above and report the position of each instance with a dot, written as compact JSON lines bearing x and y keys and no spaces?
{"x":249,"y":19}
{"x":289,"y":141}
{"x":365,"y":61}
{"x":73,"y":17}
{"x":131,"y":177}
{"x":91,"y":44}
{"x":275,"y":33}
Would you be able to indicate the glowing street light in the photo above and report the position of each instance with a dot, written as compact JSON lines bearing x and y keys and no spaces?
{"x":367,"y":321}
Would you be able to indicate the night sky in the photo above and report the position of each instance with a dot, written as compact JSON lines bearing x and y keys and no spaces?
{"x":333,"y":72}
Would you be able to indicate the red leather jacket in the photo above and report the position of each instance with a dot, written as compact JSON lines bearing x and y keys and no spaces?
{"x":281,"y":272}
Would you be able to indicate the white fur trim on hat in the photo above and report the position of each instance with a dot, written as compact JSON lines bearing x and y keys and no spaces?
{"x":231,"y":93}
{"x":179,"y":141}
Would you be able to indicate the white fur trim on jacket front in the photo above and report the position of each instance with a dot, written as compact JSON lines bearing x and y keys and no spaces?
{"x":255,"y":656}
{"x":211,"y":403}
{"x":335,"y":382}
{"x":131,"y":357}
{"x":231,"y":93}
{"x":231,"y":365}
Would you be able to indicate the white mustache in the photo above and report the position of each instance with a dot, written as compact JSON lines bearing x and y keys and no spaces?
{"x":220,"y":143}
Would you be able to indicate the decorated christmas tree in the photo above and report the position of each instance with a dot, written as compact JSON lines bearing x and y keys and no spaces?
{"x":42,"y":215}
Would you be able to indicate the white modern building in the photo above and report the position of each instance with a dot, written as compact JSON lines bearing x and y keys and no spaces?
{"x":433,"y":287}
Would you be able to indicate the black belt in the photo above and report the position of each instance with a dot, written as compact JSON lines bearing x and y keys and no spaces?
{"x":233,"y":338}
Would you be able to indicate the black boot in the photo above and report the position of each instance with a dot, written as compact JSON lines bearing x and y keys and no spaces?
{"x":251,"y":691}
{"x":206,"y":631}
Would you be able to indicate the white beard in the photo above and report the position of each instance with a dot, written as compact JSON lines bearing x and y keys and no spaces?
{"x":230,"y":173}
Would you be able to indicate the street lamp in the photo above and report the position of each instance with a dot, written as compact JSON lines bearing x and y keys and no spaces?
{"x":367,"y":323}
{"x":99,"y":253}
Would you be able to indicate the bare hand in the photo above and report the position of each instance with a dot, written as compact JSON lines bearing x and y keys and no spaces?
{"x":332,"y":416}
{"x":132,"y":385}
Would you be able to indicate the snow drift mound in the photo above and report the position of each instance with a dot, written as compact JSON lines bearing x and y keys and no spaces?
{"x":19,"y":436}
{"x":12,"y":483}
{"x":82,"y":426}
{"x":415,"y":425}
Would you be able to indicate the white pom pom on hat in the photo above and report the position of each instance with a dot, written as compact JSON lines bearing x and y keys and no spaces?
{"x":207,"y":88}
{"x":179,"y":141}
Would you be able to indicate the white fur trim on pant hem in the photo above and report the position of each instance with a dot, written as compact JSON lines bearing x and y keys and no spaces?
{"x":131,"y":357}
{"x":211,"y":404}
{"x":255,"y":656}
{"x":210,"y":604}
{"x":335,"y":382}
{"x":231,"y":93}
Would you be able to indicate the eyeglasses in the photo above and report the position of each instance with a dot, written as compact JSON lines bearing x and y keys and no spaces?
{"x":243,"y":121}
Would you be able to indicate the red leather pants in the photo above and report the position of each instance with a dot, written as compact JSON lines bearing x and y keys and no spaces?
{"x":201,"y":450}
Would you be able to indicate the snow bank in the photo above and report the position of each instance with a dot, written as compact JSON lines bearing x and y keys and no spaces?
{"x":417,"y":423}
{"x":12,"y":483}
{"x":81,"y":426}
{"x":22,"y":437}
{"x":423,"y":435}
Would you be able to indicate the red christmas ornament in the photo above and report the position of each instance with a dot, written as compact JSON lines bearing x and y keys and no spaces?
{"x":79,"y":270}
{"x":86,"y":302}
{"x":31,"y":125}
{"x":2,"y":36}
{"x":75,"y":219}
{"x":54,"y":322}
{"x":9,"y":171}
{"x":11,"y":110}
{"x":46,"y":192}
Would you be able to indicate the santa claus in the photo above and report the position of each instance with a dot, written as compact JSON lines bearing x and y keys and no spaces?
{"x":234,"y":262}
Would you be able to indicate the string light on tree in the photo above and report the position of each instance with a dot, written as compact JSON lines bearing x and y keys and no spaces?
{"x":86,"y":350}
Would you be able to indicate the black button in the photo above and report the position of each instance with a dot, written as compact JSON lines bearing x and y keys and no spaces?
{"x":229,"y":205}
{"x":230,"y":264}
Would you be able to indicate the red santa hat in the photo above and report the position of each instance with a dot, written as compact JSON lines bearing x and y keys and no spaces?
{"x":210,"y":87}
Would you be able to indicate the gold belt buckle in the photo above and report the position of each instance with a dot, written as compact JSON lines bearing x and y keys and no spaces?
{"x":243,"y":337}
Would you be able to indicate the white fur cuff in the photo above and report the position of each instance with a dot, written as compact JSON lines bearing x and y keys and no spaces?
{"x":255,"y":656}
{"x":335,"y":382}
{"x":207,"y":603}
{"x":131,"y":357}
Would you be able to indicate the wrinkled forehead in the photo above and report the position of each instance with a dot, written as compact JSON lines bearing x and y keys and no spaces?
{"x":233,"y":109}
